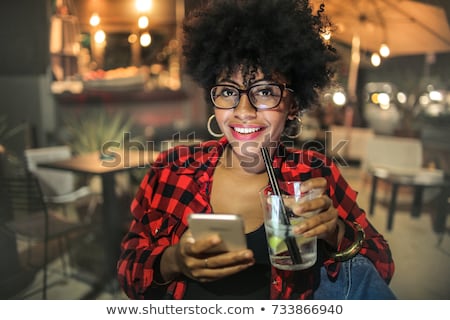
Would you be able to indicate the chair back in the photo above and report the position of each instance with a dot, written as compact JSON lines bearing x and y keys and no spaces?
{"x":53,"y":182}
{"x":399,"y":155}
{"x":353,"y":140}
{"x":22,"y":196}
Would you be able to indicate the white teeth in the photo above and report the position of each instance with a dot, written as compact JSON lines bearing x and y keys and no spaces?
{"x":246,"y":130}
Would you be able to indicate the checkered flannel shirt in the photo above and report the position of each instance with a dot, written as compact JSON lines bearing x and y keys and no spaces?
{"x":179,"y":183}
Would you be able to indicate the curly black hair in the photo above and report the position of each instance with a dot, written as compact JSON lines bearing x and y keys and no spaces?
{"x":279,"y":36}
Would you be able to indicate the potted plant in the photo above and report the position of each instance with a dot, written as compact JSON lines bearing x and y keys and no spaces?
{"x":91,"y":129}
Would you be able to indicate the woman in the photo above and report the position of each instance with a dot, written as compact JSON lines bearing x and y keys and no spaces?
{"x":261,"y":64}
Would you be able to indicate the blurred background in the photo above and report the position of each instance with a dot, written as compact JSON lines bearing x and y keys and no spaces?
{"x":80,"y":73}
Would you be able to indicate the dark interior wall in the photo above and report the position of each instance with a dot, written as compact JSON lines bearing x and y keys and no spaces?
{"x":24,"y":26}
{"x":24,"y":77}
{"x":27,"y":99}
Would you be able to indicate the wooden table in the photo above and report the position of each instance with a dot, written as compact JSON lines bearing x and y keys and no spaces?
{"x":106,"y":166}
{"x":418,"y":184}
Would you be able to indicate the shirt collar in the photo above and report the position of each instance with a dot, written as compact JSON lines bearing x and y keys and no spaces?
{"x":208,"y":154}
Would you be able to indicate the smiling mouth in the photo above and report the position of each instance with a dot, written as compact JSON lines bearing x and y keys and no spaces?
{"x":246,"y":130}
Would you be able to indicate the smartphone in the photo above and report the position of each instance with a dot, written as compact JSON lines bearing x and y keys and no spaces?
{"x":229,"y":227}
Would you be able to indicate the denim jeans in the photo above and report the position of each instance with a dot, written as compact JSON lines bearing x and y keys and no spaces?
{"x":357,"y":280}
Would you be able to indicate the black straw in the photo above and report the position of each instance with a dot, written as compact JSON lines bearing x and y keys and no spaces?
{"x":290,"y":241}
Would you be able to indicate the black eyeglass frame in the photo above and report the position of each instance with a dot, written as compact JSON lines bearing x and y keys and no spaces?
{"x":281,"y":86}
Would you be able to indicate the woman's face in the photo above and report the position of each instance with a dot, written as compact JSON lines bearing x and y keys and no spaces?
{"x":248,"y":129}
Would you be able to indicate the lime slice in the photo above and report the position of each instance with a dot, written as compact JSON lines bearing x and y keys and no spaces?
{"x":277,"y":244}
{"x":274,"y":241}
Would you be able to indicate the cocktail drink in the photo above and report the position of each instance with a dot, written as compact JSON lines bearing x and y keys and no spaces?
{"x":279,"y":234}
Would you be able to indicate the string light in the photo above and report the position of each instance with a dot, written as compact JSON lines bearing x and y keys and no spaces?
{"x":145,"y":39}
{"x":100,"y":36}
{"x":375,"y":59}
{"x":132,"y":38}
{"x":94,"y":20}
{"x":384,"y":50}
{"x":339,"y":98}
{"x":143,"y":22}
{"x":144,"y":5}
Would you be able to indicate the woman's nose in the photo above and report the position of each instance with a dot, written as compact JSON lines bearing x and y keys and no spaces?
{"x":244,"y":109}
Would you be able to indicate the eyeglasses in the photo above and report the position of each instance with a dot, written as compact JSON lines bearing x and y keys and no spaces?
{"x":261,"y":96}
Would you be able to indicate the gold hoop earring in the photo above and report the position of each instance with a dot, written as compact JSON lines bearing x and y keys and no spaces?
{"x":299,"y":126}
{"x":208,"y":126}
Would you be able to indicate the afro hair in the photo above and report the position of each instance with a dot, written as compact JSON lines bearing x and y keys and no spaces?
{"x":278,"y":36}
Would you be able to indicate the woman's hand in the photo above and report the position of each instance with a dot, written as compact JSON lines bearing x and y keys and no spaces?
{"x":325,"y":225}
{"x":192,"y":259}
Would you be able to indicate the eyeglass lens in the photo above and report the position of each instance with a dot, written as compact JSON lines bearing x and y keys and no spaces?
{"x":261,"y":96}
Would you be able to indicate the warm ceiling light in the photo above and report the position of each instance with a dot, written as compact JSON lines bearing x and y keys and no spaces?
{"x":132,"y":38}
{"x":144,"y":5}
{"x":375,"y":59}
{"x":145,"y":39}
{"x":94,"y":20}
{"x":339,"y":98}
{"x":401,"y":97}
{"x":143,"y":22}
{"x":436,"y":95}
{"x":99,"y":36}
{"x":384,"y":100}
{"x":374,"y":98}
{"x":384,"y":50}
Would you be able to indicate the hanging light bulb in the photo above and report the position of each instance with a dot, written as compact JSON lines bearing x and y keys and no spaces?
{"x":144,"y":5}
{"x":143,"y":22}
{"x":339,"y":98}
{"x":94,"y":20}
{"x":100,"y":36}
{"x":132,"y":38}
{"x":375,"y":59}
{"x":145,"y":39}
{"x":384,"y":50}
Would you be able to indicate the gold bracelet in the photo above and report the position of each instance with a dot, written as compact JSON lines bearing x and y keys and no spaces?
{"x":157,"y":273}
{"x":163,"y":283}
{"x":353,"y":250}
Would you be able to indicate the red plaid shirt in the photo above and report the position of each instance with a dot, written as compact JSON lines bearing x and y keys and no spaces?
{"x":179,"y":183}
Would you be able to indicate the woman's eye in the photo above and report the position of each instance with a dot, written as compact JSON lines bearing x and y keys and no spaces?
{"x":227,"y":92}
{"x":265,"y":92}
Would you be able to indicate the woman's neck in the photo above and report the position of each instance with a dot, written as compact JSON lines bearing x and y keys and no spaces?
{"x":236,"y":165}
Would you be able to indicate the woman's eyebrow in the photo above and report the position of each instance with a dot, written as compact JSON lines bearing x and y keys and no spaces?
{"x":228,"y":81}
{"x":238,"y":85}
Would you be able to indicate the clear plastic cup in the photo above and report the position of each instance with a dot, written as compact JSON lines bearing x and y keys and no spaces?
{"x":280,"y":237}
